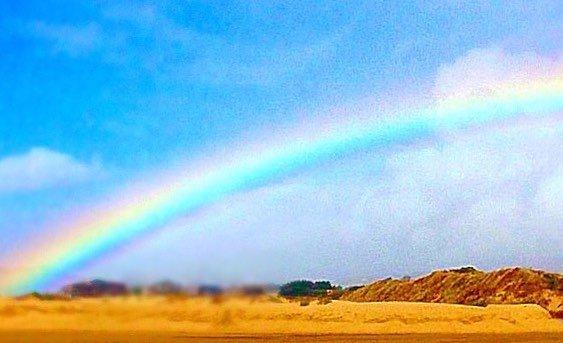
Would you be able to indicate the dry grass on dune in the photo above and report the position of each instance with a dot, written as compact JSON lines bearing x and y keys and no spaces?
{"x":267,"y":315}
{"x":469,"y":286}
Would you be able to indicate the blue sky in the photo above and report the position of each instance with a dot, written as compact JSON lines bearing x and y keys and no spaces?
{"x":96,"y":94}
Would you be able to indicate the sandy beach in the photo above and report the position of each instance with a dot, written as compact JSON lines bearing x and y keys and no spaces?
{"x":97,"y":337}
{"x":268,"y":318}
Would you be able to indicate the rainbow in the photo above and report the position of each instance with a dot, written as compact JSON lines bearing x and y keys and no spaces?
{"x":142,"y":209}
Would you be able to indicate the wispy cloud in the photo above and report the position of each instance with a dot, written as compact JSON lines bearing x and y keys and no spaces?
{"x":148,"y":37}
{"x":229,"y":64}
{"x":73,"y":40}
{"x":43,"y":168}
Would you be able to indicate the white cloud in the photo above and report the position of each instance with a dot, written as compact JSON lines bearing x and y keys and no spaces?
{"x":42,"y":168}
{"x":480,"y":71}
{"x":487,"y":194}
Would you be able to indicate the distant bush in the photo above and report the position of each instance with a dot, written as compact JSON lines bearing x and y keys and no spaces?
{"x":463,"y":270}
{"x":323,"y":285}
{"x":43,"y":296}
{"x":305,"y":288}
{"x":95,"y":288}
{"x":165,"y":287}
{"x":297,"y":288}
{"x":353,"y":288}
{"x":304,"y":303}
{"x":209,"y":290}
{"x":334,"y":294}
{"x":137,"y":290}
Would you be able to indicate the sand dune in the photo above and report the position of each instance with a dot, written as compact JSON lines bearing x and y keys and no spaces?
{"x":470,"y":286}
{"x":268,"y":315}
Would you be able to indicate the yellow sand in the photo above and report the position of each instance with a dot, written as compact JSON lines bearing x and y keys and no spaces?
{"x":268,"y":315}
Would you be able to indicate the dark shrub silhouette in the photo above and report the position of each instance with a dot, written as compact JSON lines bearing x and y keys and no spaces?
{"x":209,"y":290}
{"x":165,"y":287}
{"x":95,"y":288}
{"x":305,"y":288}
